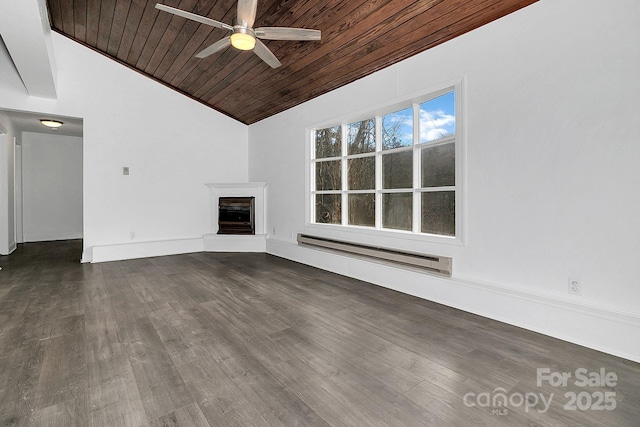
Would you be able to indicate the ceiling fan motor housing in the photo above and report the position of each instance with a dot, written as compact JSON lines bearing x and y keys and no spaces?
{"x":242,"y":27}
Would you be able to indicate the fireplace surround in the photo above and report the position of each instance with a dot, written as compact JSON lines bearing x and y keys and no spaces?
{"x":217,"y":240}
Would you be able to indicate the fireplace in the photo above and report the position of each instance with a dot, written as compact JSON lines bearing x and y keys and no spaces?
{"x":236,"y":215}
{"x":238,"y":236}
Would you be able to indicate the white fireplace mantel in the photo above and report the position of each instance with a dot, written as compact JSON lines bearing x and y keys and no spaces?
{"x":215,"y":242}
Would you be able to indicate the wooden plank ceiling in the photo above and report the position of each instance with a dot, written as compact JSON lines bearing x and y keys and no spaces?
{"x":359,"y":37}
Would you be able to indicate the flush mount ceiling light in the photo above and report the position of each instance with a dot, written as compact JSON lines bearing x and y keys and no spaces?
{"x":53,"y":124}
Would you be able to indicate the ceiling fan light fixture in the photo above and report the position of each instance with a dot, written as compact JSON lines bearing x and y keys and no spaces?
{"x":243,"y":41}
{"x":242,"y":34}
{"x":53,"y":124}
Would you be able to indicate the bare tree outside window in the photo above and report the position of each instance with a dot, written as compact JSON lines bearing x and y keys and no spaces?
{"x":328,"y":145}
{"x":328,"y":208}
{"x":361,"y":137}
{"x":438,"y":165}
{"x":362,"y":209}
{"x":397,"y":129}
{"x":438,"y":213}
{"x":397,"y":169}
{"x":328,"y":142}
{"x":396,"y":211}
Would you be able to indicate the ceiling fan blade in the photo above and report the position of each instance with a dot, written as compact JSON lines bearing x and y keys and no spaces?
{"x":198,"y":18}
{"x":216,"y":47}
{"x":266,"y":55}
{"x":247,"y":11}
{"x":284,"y":33}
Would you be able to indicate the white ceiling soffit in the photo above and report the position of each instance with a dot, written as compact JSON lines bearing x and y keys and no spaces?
{"x":24,"y":26}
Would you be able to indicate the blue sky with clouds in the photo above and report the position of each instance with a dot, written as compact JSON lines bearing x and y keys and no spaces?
{"x":437,"y":120}
{"x":438,"y":117}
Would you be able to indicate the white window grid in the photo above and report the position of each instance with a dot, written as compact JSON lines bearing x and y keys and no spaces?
{"x":415,"y":147}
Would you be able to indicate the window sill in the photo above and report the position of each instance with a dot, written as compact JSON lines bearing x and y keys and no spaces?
{"x":360,"y":234}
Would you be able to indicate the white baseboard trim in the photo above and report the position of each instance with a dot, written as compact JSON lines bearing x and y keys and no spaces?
{"x":207,"y":243}
{"x":87,"y":255}
{"x":604,"y":329}
{"x":235,"y":243}
{"x":141,"y":250}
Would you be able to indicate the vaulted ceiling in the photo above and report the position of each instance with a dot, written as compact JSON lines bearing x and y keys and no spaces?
{"x":359,"y":37}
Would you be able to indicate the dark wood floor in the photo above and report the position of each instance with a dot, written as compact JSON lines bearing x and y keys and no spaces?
{"x":250,"y":339}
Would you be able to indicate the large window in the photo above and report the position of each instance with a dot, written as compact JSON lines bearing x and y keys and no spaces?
{"x":394,"y":171}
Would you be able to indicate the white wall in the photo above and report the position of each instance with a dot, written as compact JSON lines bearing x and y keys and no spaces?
{"x":552,"y":173}
{"x":51,"y":187}
{"x":7,"y":199}
{"x":18,"y":193}
{"x":172,"y":145}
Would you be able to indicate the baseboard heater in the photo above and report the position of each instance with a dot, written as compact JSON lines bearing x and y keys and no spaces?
{"x":432,"y":263}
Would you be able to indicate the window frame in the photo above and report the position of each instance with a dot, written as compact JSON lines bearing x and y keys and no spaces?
{"x":416,"y":190}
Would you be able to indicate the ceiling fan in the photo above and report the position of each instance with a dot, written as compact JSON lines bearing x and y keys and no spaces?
{"x":243,"y":36}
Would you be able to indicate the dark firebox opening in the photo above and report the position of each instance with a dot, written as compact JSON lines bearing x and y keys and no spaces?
{"x":236,"y":215}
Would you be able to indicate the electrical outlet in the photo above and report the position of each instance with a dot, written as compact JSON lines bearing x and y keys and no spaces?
{"x":575,"y":286}
{"x":274,"y":231}
{"x":132,"y":235}
{"x":125,"y":170}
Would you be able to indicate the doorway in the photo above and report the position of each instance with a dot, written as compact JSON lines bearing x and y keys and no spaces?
{"x":44,"y":196}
